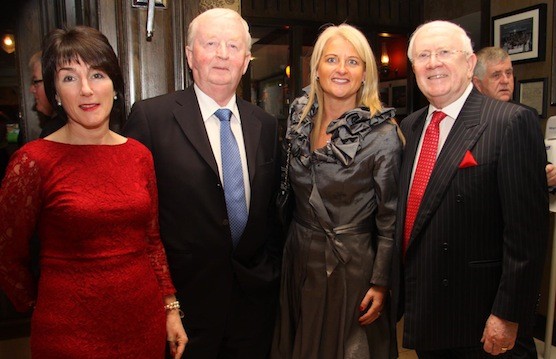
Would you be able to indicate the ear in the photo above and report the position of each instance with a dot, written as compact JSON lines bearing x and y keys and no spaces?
{"x":477,"y":83}
{"x":247,"y":61}
{"x":189,"y":55}
{"x":471,"y":62}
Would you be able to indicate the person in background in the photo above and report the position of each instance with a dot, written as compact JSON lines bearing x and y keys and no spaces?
{"x":216,"y":162}
{"x":49,"y":119}
{"x":104,"y":289}
{"x":345,"y":158}
{"x":494,"y":77}
{"x":472,"y":211}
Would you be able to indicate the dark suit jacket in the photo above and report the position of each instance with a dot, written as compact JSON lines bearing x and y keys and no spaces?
{"x":193,"y":219}
{"x":478,"y":242}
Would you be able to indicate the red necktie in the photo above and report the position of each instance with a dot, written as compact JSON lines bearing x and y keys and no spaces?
{"x":425,"y":164}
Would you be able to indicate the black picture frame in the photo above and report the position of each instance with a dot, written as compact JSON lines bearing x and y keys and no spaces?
{"x":522,"y":33}
{"x":534,"y":93}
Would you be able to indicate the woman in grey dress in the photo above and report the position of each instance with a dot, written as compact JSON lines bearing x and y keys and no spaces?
{"x":345,"y":157}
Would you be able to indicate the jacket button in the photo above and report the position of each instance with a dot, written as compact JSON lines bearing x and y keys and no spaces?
{"x":445,"y":246}
{"x":218,"y":185}
{"x":225,"y":222}
{"x":445,"y":282}
{"x":459,"y":198}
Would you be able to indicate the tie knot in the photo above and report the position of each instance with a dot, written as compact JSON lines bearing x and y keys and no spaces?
{"x":223,"y":114}
{"x":437,"y":116}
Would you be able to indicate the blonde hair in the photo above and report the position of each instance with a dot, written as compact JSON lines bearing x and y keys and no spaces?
{"x":368,"y":93}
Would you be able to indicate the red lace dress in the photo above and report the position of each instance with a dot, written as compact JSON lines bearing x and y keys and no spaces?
{"x":103,"y":267}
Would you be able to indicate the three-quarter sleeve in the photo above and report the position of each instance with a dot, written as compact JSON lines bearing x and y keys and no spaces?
{"x":156,"y":253}
{"x":20,"y":204}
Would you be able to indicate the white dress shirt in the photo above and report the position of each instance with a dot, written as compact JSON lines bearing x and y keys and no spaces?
{"x":212,"y":124}
{"x":452,"y":112}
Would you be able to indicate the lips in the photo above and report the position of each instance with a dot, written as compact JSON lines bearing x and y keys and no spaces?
{"x":436,"y":77}
{"x":340,"y":81}
{"x":89,"y":106}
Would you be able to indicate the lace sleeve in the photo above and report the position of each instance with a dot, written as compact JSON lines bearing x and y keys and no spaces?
{"x":156,"y":252}
{"x":19,"y":207}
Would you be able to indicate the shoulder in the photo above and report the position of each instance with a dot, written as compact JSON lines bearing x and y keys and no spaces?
{"x":138,"y":148}
{"x":247,"y":108}
{"x":166,"y":101}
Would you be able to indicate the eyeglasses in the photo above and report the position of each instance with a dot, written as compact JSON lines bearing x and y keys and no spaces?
{"x":441,"y":55}
{"x":36,"y":83}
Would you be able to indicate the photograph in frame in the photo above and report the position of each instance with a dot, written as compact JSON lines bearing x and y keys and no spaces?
{"x":533,"y":93}
{"x":522,"y":33}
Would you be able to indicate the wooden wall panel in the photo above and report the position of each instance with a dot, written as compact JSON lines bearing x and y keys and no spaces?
{"x":373,"y":14}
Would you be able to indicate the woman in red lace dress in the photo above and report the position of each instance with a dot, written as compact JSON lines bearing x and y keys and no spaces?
{"x":104,"y":289}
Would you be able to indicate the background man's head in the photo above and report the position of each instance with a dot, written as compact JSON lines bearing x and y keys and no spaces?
{"x":42,"y":104}
{"x":494,"y":74}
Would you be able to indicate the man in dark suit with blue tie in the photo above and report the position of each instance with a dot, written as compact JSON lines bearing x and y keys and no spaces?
{"x":473,"y":208}
{"x":215,"y":161}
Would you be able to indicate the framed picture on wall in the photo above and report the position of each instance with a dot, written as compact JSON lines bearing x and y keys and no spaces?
{"x":522,"y":33}
{"x":534,"y":93}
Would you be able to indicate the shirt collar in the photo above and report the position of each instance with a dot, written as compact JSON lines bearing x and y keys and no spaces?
{"x":453,"y":109}
{"x":208,"y":106}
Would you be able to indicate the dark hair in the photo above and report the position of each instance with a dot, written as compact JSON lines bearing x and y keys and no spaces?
{"x":80,"y":43}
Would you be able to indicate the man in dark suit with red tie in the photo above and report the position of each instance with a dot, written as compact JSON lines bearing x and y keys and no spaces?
{"x":215,"y":159}
{"x":473,"y":208}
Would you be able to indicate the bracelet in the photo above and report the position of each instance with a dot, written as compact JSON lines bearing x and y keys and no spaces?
{"x":174,"y":305}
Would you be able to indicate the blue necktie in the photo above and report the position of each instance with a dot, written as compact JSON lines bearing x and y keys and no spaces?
{"x":234,"y":191}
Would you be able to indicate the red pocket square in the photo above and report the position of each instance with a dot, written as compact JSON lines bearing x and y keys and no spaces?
{"x":468,"y":160}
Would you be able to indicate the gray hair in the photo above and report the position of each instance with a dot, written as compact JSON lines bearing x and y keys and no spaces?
{"x":215,"y":13}
{"x":460,"y":32}
{"x":488,"y":55}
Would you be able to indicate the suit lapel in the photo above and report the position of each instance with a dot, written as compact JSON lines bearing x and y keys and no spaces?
{"x":188,"y":116}
{"x":467,"y":129}
{"x":251,"y":127}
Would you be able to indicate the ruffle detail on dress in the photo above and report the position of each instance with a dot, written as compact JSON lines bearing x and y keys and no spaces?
{"x":347,"y":133}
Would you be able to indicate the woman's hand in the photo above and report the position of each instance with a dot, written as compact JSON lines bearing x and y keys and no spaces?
{"x":375,"y":296}
{"x":176,"y":336}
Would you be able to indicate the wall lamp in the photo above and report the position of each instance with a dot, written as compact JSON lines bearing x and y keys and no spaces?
{"x":8,"y":43}
{"x":384,"y":67}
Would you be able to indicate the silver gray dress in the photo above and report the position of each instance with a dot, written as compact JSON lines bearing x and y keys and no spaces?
{"x":341,"y":239}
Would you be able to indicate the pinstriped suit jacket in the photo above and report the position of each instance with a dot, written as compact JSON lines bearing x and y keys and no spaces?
{"x":478,"y":242}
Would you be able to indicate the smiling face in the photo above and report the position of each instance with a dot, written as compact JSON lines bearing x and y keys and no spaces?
{"x":86,"y":94}
{"x":218,"y":56}
{"x":498,"y":81}
{"x":340,"y":70}
{"x":442,"y":82}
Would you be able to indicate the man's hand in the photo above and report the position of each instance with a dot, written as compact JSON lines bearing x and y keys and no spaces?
{"x":499,"y":335}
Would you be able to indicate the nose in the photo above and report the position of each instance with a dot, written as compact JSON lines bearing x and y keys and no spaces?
{"x":222,"y":51}
{"x":85,"y":88}
{"x":505,"y":78}
{"x":342,"y":67}
{"x":433,"y":61}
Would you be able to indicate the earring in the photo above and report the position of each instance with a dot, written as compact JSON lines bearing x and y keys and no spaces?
{"x":59,"y":103}
{"x":115,"y":96}
{"x":317,"y":78}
